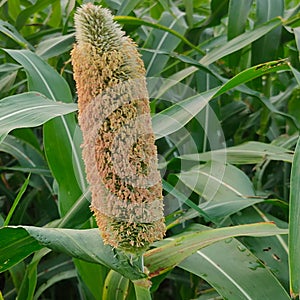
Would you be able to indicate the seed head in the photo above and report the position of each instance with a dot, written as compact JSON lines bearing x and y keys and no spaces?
{"x":118,"y":148}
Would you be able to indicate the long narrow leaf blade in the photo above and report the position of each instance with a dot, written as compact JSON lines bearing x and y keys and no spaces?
{"x":247,"y":153}
{"x":62,"y":150}
{"x":265,"y":11}
{"x":294,"y":225}
{"x":171,"y":251}
{"x":15,"y":244}
{"x":234,"y":272}
{"x":225,"y":189}
{"x":17,"y":199}
{"x":113,"y":280}
{"x":240,"y":41}
{"x":29,"y":110}
{"x":232,"y":46}
{"x":176,"y":116}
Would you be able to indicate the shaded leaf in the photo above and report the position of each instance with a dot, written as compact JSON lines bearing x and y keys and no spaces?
{"x":54,"y":279}
{"x":9,"y":67}
{"x":7,"y":81}
{"x":16,"y":201}
{"x":15,"y":245}
{"x":30,"y":10}
{"x":269,"y":43}
{"x":237,"y":20}
{"x":137,"y":21}
{"x":92,"y":275}
{"x":11,"y":32}
{"x":296,"y":73}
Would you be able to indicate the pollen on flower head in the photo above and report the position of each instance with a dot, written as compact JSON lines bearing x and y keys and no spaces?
{"x":118,"y":141}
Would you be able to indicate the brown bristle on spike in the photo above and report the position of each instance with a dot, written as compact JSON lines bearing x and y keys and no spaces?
{"x":118,"y":141}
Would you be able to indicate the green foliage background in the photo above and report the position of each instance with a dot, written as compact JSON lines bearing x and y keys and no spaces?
{"x":224,"y":86}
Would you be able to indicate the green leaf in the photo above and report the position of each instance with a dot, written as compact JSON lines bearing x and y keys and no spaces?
{"x":269,"y":43}
{"x":17,"y":274}
{"x":142,"y":289}
{"x":30,"y":277}
{"x":54,"y":279}
{"x":116,"y":286}
{"x":14,"y":8}
{"x":247,"y":153}
{"x":172,"y":251}
{"x":78,"y":213}
{"x":7,"y":81}
{"x":189,"y":11}
{"x":234,"y":272}
{"x":260,"y":70}
{"x":28,"y":12}
{"x":176,"y":116}
{"x":294,"y":225}
{"x":41,"y":77}
{"x":297,"y":38}
{"x":225,"y":188}
{"x":183,"y":199}
{"x":237,"y":20}
{"x":55,"y":46}
{"x":28,"y":135}
{"x":56,"y":17}
{"x":237,"y":17}
{"x":13,"y":34}
{"x":127,"y":6}
{"x":161,"y":40}
{"x":62,"y":150}
{"x":27,"y":156}
{"x":252,"y":73}
{"x":273,"y":250}
{"x":29,"y":110}
{"x":219,"y":8}
{"x":296,"y":73}
{"x":9,"y":67}
{"x":86,"y":245}
{"x":234,"y":45}
{"x":137,"y":21}
{"x":65,"y":161}
{"x":16,"y":201}
{"x":179,"y":114}
{"x":15,"y":245}
{"x":92,"y":275}
{"x":240,"y":42}
{"x":33,"y":170}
